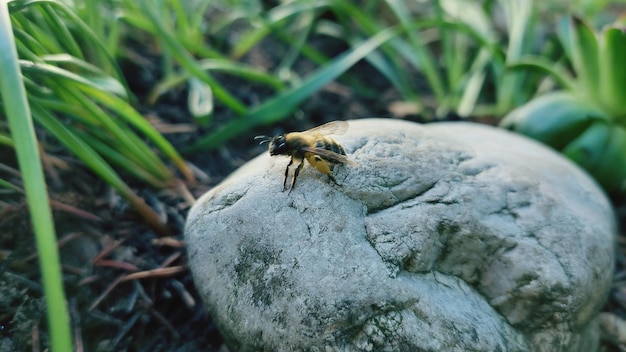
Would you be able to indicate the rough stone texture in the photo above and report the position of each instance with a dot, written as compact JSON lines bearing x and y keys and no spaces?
{"x":446,"y":237}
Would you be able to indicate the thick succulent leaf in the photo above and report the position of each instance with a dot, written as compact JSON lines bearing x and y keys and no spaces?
{"x":588,"y":148}
{"x":613,"y":56}
{"x":554,"y":119}
{"x":581,"y":45}
{"x":610,"y":171}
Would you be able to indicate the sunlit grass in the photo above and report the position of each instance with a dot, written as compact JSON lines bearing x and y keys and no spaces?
{"x":77,"y":92}
{"x":25,"y":143}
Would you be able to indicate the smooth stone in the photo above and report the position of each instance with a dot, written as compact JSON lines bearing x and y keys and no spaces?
{"x":446,"y":237}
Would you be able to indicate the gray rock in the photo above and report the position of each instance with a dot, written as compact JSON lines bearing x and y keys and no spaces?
{"x":446,"y":237}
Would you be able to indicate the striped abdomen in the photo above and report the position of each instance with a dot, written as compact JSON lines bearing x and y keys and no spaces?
{"x":329,"y":144}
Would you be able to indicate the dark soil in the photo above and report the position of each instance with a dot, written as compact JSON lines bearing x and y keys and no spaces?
{"x":102,"y":240}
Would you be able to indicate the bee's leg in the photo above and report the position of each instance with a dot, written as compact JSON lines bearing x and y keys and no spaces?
{"x":287,"y":174}
{"x":295,"y":174}
{"x":322,"y":166}
{"x":332,"y":178}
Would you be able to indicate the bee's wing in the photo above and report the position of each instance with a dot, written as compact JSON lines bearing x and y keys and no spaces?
{"x":330,"y":156}
{"x":333,"y":127}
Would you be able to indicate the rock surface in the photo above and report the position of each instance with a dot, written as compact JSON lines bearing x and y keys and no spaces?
{"x":446,"y":237}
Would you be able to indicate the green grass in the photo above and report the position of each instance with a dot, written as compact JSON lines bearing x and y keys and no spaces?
{"x":77,"y":92}
{"x":587,"y":119}
{"x":25,"y":143}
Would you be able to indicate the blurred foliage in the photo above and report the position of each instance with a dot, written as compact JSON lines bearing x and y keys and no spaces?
{"x":587,"y":120}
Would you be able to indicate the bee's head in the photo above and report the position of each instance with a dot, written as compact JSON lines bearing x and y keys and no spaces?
{"x":278,"y":145}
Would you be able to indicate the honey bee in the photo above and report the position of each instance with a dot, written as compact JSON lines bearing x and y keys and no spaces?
{"x":320,"y":151}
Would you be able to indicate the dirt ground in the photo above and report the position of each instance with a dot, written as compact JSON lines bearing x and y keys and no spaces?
{"x":129,"y":289}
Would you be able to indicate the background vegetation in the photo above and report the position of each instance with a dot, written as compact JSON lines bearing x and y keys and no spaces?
{"x":123,"y":111}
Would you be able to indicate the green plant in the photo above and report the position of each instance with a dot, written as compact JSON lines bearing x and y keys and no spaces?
{"x":24,"y":141}
{"x":457,"y":88}
{"x":179,"y":31}
{"x":471,"y":52}
{"x":279,"y":106}
{"x":290,"y":22}
{"x":455,"y":45}
{"x":586,"y":121}
{"x":84,"y":107}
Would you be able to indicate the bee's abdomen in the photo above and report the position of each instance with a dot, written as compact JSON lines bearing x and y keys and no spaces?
{"x":329,"y":144}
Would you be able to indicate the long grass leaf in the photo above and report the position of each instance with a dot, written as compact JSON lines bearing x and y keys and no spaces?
{"x":557,"y":72}
{"x":88,"y":71}
{"x":272,"y":22}
{"x":472,"y":88}
{"x":582,"y":46}
{"x":126,"y":140}
{"x":134,"y":146}
{"x":122,"y":161}
{"x":101,"y":54}
{"x":61,"y":32}
{"x":28,"y":43}
{"x":6,"y":184}
{"x":613,"y":71}
{"x":280,"y":106}
{"x":6,"y":140}
{"x":388,"y":60}
{"x":98,"y":165}
{"x":22,"y":130}
{"x":388,"y":69}
{"x":176,"y":49}
{"x":217,"y":65}
{"x":519,"y":15}
{"x":131,"y":116}
{"x":426,"y":61}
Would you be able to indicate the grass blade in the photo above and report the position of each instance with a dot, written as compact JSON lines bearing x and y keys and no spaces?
{"x":178,"y":51}
{"x":98,"y":165}
{"x":519,"y":14}
{"x":97,"y":48}
{"x":22,"y":130}
{"x":75,"y":87}
{"x":283,"y":104}
{"x":613,"y":70}
{"x":218,"y":65}
{"x":581,"y":45}
{"x":425,"y":58}
{"x":558,"y":73}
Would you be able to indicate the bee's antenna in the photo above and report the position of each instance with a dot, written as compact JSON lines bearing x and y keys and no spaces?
{"x":264,"y":139}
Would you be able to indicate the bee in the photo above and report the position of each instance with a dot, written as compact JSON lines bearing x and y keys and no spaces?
{"x":320,"y":151}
